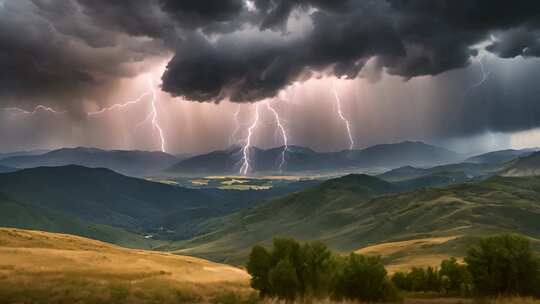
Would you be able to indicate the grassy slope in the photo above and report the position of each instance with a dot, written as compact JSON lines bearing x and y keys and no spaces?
{"x":346,"y":216}
{"x":56,"y":268}
{"x":15,"y":214}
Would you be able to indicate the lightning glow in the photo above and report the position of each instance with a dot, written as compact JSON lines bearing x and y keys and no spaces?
{"x":246,"y":160}
{"x":281,"y":129}
{"x":342,"y":117}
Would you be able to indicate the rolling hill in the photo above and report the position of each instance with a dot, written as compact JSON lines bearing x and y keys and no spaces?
{"x":359,"y":211}
{"x":18,"y":215}
{"x":135,"y":163}
{"x":525,"y":166}
{"x":499,"y":157}
{"x":4,"y":169}
{"x":37,"y":266}
{"x":470,"y":170}
{"x":304,"y":159}
{"x":104,"y":197}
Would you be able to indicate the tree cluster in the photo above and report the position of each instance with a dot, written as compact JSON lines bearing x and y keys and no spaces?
{"x":498,"y":265}
{"x":291,"y":270}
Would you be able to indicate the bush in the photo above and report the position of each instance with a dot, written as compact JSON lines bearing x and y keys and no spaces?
{"x":504,"y":265}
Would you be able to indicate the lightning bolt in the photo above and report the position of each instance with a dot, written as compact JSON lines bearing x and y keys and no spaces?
{"x":236,"y":116}
{"x":154,"y":114}
{"x":342,"y":117}
{"x":246,"y":165}
{"x":281,"y":129}
{"x":485,"y":75}
{"x":40,"y":108}
{"x":119,"y":105}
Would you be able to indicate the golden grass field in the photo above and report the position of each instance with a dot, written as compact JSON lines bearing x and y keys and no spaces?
{"x":410,"y":253}
{"x":40,"y":267}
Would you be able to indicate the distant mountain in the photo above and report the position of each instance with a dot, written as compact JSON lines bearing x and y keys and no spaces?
{"x":135,"y":163}
{"x":525,"y":166}
{"x":304,"y":159}
{"x":500,"y":156}
{"x":469,"y":170}
{"x":401,"y":154}
{"x":357,"y":211}
{"x":23,"y":153}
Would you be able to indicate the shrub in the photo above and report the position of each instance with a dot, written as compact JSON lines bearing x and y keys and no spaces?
{"x":504,"y":265}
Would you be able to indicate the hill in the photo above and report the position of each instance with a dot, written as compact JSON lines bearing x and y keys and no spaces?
{"x":403,"y":154}
{"x":525,"y":166}
{"x":4,"y":169}
{"x":62,"y":268}
{"x":19,"y":215}
{"x":309,"y":214}
{"x":498,"y":157}
{"x":470,"y":170}
{"x":23,"y":153}
{"x":351,"y":215}
{"x":304,"y":159}
{"x":135,"y":163}
{"x":105,"y":197}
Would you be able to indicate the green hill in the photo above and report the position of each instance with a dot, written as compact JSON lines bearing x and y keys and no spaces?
{"x":19,"y":215}
{"x":358,"y":211}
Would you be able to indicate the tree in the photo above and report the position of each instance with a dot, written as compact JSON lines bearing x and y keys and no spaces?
{"x":402,"y":281}
{"x":258,"y":267}
{"x":315,"y":269}
{"x":283,"y":280}
{"x":456,"y":277}
{"x":504,"y":265}
{"x":362,"y":278}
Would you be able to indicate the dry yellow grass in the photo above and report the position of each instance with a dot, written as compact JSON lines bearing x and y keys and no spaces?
{"x":66,"y":269}
{"x":410,"y":253}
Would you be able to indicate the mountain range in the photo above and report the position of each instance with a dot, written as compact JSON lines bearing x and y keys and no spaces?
{"x":304,"y":159}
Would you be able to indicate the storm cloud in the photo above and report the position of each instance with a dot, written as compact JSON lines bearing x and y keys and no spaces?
{"x":67,"y":53}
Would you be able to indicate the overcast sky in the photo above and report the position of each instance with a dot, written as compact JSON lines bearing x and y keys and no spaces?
{"x":464,"y":74}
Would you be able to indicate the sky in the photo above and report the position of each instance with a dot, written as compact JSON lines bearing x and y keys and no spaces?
{"x":190,"y":76}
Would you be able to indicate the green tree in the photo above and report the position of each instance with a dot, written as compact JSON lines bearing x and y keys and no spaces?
{"x":284,"y":281}
{"x":362,"y":278}
{"x":258,"y":267}
{"x":456,"y":276}
{"x":315,"y":269}
{"x":505,"y":265}
{"x":402,"y":281}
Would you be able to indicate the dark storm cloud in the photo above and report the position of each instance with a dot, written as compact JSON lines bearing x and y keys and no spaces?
{"x":66,"y":51}
{"x":253,"y":68}
{"x":410,"y":37}
{"x":51,"y":52}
